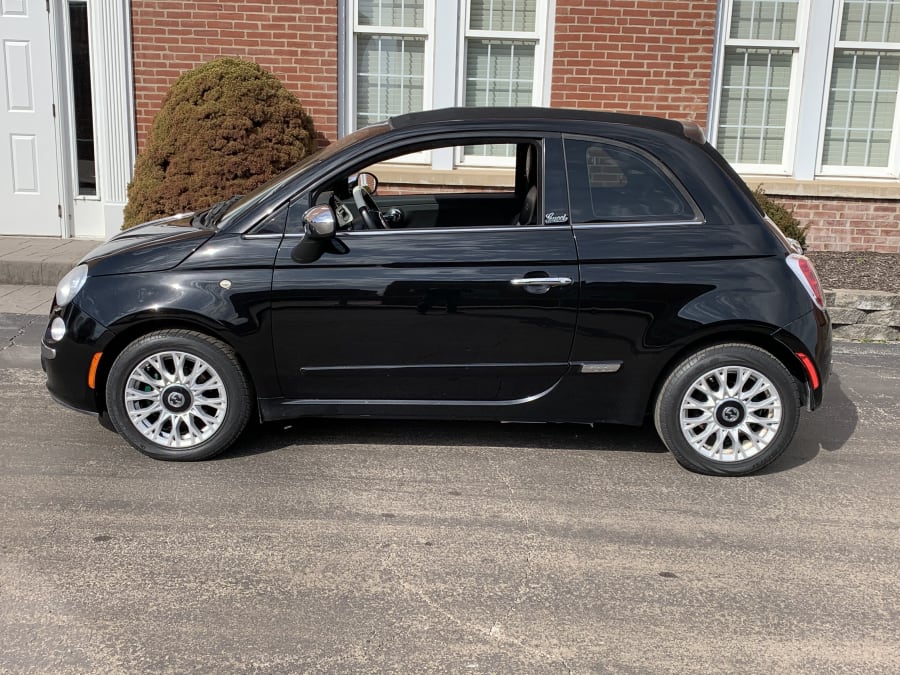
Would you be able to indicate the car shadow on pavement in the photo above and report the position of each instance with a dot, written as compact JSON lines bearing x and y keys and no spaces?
{"x":268,"y":437}
{"x":828,"y":428}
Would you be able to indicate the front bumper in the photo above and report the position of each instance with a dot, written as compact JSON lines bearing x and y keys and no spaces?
{"x":67,"y":362}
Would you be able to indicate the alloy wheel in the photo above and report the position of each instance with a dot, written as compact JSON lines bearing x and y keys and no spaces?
{"x":175,"y":399}
{"x":731,"y":413}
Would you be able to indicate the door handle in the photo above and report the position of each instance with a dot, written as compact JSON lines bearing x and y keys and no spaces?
{"x":542,"y":281}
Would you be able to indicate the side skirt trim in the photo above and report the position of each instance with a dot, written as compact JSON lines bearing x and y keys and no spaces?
{"x":590,"y":367}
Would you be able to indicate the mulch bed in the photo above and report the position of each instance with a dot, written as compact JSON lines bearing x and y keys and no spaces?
{"x":859,"y":270}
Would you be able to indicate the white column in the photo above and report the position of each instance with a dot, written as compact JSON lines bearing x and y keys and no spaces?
{"x":112,"y":89}
{"x":823,"y":20}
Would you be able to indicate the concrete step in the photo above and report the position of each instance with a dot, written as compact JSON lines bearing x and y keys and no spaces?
{"x":40,"y":261}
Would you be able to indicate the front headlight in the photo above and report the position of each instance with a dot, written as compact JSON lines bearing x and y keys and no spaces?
{"x":69,"y":285}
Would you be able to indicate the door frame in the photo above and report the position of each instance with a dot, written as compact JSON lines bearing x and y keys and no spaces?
{"x":115,"y":146}
{"x":59,"y":48}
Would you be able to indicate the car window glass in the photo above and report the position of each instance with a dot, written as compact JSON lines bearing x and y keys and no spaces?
{"x":407,"y":174}
{"x":295,"y":217}
{"x":258,"y":196}
{"x":273,"y":223}
{"x":412,"y":194}
{"x":612,"y":183}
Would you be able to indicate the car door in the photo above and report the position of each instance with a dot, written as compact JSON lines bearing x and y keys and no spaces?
{"x":436,"y":315}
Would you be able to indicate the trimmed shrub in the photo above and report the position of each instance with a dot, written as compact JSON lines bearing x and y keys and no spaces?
{"x":781,"y":216}
{"x":224,"y":128}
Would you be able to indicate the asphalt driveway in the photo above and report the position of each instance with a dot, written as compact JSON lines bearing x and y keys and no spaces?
{"x":371,"y":546}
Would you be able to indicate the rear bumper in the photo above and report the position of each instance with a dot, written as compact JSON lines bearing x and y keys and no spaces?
{"x":810,"y":335}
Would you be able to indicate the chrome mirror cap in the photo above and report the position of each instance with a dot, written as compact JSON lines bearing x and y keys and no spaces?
{"x":320,"y":222}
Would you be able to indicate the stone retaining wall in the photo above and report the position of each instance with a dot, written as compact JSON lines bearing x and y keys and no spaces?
{"x":864,"y":315}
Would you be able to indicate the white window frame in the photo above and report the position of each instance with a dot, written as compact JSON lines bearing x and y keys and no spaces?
{"x":819,"y":30}
{"x":892,"y":170}
{"x":798,"y":59}
{"x":537,"y":36}
{"x":450,"y":15}
{"x":426,"y":31}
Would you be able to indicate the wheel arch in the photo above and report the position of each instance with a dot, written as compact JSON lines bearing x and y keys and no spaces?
{"x":135,"y":330}
{"x":762,"y":338}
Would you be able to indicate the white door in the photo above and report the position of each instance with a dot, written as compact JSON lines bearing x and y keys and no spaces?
{"x":29,"y":189}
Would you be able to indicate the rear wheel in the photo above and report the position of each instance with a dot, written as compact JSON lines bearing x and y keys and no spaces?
{"x":728,"y":410}
{"x":178,"y":395}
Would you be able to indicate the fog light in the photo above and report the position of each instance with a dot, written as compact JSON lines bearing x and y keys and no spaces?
{"x":57,"y":329}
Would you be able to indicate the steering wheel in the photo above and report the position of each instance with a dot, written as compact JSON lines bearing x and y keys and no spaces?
{"x":372,"y":217}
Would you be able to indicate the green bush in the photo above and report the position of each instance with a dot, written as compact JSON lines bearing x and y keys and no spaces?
{"x":224,"y":128}
{"x":782,"y":217}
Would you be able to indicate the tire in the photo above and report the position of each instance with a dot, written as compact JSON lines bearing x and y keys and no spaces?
{"x":728,"y":410}
{"x":178,"y":395}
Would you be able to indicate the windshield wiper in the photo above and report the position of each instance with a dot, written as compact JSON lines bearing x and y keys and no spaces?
{"x":214,"y":213}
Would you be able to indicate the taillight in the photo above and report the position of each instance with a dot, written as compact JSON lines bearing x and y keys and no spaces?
{"x":806,"y":273}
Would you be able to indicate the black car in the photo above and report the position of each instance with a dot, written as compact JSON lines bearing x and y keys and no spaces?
{"x":614,"y":268}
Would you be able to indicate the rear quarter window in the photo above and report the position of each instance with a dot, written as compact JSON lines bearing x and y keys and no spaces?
{"x":612,"y":183}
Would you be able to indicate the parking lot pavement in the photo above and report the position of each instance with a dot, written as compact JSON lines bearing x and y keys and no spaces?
{"x":388,"y":546}
{"x":23,"y":312}
{"x":20,"y":340}
{"x":25,"y":299}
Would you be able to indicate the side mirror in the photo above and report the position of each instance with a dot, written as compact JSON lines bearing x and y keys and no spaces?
{"x":319,"y":222}
{"x":365,"y":180}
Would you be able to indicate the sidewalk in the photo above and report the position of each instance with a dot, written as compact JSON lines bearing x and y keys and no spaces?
{"x":30,"y":268}
{"x":40,"y":261}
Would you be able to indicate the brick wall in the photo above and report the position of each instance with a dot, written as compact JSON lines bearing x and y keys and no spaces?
{"x":295,"y":40}
{"x":635,"y":56}
{"x":847,"y":224}
{"x":638,"y":56}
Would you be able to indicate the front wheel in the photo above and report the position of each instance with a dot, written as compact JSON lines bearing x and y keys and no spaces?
{"x":728,"y":410}
{"x":178,"y":395}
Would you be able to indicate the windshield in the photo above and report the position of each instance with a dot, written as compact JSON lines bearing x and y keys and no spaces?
{"x":261,"y":193}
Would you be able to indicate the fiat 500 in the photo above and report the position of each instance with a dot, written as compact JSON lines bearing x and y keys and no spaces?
{"x":516,"y":264}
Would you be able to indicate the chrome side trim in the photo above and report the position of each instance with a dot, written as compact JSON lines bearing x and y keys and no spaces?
{"x":445,"y":230}
{"x":319,"y":369}
{"x":419,"y":403}
{"x":262,"y":236}
{"x":591,"y":367}
{"x":626,"y":223}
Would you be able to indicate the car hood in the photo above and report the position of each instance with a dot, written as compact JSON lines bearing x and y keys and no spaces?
{"x":158,"y":245}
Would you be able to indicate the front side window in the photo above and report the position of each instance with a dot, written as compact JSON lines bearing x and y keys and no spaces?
{"x":431,"y":198}
{"x":611,"y":183}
